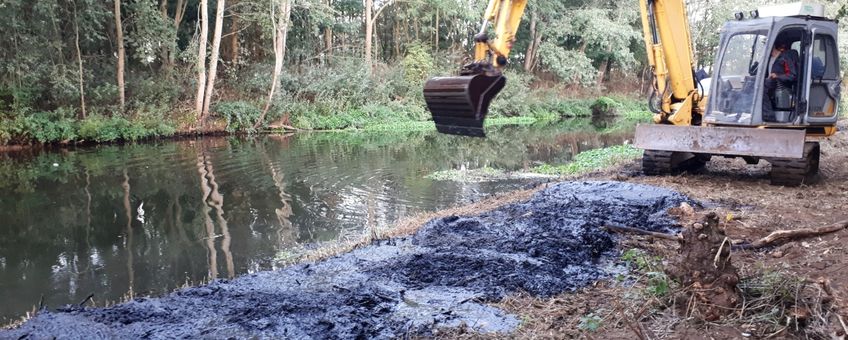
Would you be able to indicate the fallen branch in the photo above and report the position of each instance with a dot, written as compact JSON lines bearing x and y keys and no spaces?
{"x":621,"y":229}
{"x":836,"y":302}
{"x":791,"y":235}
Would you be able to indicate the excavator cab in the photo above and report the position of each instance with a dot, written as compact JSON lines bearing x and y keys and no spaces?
{"x":459,"y":104}
{"x":774,"y":91}
{"x":743,"y":94}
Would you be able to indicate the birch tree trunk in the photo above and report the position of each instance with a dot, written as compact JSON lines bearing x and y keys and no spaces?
{"x":436,"y":44}
{"x":79,"y":63}
{"x":280,"y":19}
{"x":213,"y":61}
{"x":369,"y":32}
{"x":201,"y":59}
{"x":119,"y":31}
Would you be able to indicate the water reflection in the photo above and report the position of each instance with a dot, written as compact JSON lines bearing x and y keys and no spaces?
{"x":128,"y":236}
{"x":286,"y":234}
{"x":131,"y":220}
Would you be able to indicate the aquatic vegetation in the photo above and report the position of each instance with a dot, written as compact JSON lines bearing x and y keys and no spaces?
{"x":592,"y":160}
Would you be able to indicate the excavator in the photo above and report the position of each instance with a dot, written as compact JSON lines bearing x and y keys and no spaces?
{"x":742,"y":111}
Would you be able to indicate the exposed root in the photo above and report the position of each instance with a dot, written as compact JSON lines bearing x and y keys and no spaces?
{"x":704,"y":266}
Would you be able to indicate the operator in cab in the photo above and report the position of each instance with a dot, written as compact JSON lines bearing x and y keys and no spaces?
{"x":780,"y":84}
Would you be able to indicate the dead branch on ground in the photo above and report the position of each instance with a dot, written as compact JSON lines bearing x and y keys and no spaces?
{"x":776,"y":237}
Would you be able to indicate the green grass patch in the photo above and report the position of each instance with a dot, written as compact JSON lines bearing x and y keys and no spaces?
{"x":591,"y":160}
{"x":429,"y":125}
{"x":471,"y":175}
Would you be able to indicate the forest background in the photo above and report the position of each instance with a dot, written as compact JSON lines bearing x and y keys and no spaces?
{"x":112,"y":70}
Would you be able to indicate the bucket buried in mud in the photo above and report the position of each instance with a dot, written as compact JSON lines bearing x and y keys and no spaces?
{"x":459,"y":104}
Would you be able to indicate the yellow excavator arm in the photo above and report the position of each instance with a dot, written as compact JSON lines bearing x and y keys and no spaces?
{"x":459,"y":104}
{"x":669,"y":48}
{"x":505,"y":15}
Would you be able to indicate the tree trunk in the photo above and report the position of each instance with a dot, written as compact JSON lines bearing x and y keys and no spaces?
{"x":528,"y":57}
{"x":281,"y":29}
{"x":119,"y":31}
{"x":213,"y":61}
{"x":234,"y":37}
{"x":201,"y":59}
{"x":178,"y":20}
{"x":436,"y":46}
{"x":602,"y":73}
{"x":397,"y":38}
{"x":79,"y":63}
{"x":369,"y":27}
{"x":328,"y":40}
{"x":536,"y":43}
{"x":163,"y":7}
{"x":328,"y":35}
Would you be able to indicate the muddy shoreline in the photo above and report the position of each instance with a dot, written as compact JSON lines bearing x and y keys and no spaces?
{"x":444,"y":275}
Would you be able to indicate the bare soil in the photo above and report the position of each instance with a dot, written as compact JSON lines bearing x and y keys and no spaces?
{"x":749,"y":208}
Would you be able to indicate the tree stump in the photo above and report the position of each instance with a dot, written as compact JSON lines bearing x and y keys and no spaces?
{"x":705,"y":271}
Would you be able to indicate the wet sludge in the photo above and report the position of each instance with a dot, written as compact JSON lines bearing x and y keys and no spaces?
{"x":442,"y":276}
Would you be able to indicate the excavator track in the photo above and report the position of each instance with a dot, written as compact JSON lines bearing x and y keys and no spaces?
{"x":797,"y":171}
{"x":658,"y":162}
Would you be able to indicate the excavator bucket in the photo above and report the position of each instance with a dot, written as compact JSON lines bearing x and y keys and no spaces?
{"x":459,"y":104}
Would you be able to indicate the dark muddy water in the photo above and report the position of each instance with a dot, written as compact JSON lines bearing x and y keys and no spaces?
{"x":147,"y":218}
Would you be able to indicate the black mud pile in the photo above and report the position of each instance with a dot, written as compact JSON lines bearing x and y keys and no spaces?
{"x":442,"y":276}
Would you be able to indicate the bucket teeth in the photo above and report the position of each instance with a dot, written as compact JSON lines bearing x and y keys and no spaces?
{"x":459,"y":104}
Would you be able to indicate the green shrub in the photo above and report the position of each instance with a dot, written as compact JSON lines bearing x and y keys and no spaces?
{"x":604,"y":106}
{"x":417,"y":64}
{"x":13,"y":129}
{"x":110,"y":129}
{"x":49,"y":127}
{"x":514,"y":99}
{"x":240,"y":115}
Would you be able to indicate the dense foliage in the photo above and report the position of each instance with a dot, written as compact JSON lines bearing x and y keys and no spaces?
{"x":59,"y":61}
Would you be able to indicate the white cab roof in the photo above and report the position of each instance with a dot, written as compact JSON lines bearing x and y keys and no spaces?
{"x":793,"y":9}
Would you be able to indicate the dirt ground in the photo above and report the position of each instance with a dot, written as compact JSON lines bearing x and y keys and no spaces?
{"x":750,"y":208}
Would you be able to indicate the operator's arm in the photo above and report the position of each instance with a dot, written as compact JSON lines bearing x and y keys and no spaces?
{"x":785,"y":68}
{"x":790,"y":67}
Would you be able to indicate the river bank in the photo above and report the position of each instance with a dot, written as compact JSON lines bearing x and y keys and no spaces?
{"x":231,"y":118}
